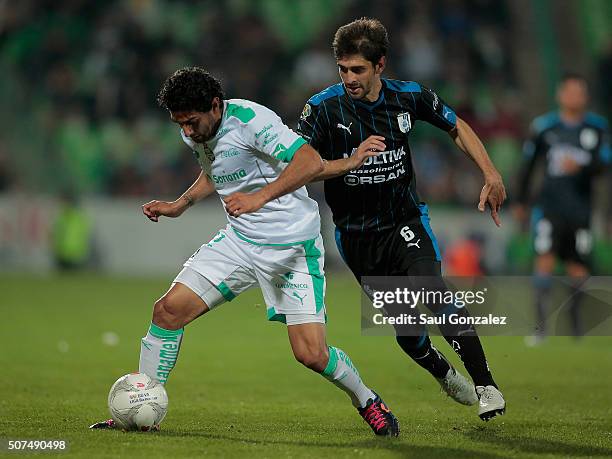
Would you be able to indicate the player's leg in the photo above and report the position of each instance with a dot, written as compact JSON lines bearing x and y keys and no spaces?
{"x":578,"y":274}
{"x":426,"y":273}
{"x":188,"y":298}
{"x":545,"y":247}
{"x":370,"y":256}
{"x":292,"y":280}
{"x":577,"y":266}
{"x":362,"y":255}
{"x":159,"y":349}
{"x":215,"y":273}
{"x":465,"y":342}
{"x":311,"y":350}
{"x":416,"y":255}
{"x":544,"y":266}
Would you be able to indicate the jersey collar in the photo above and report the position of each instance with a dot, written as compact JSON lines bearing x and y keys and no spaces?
{"x":371,"y":105}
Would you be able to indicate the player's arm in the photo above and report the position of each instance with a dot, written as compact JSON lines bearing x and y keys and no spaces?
{"x":313,"y":126}
{"x":431,"y":108}
{"x":303,"y":167}
{"x":334,"y":168}
{"x":201,"y":188}
{"x":603,"y":155}
{"x":493,"y":192}
{"x":532,"y":149}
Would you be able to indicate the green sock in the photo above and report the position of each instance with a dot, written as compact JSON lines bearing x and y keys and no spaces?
{"x":159,"y":351}
{"x":341,"y":371}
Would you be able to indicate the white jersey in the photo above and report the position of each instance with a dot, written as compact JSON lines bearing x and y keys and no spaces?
{"x":251,"y":149}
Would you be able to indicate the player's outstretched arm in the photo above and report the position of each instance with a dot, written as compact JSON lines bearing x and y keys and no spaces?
{"x":305,"y":164}
{"x":493,"y":192}
{"x":334,"y":168}
{"x":201,"y":188}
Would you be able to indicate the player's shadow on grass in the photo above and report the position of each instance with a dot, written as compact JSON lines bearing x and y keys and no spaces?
{"x":512,"y":442}
{"x":402,"y":445}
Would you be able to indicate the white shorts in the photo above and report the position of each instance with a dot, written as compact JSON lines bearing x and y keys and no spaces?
{"x":291,"y":277}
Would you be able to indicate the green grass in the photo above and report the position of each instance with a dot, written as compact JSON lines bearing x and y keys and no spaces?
{"x":237,"y":391}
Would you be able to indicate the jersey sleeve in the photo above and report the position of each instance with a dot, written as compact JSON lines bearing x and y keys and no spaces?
{"x":266,"y":132}
{"x":604,"y":153}
{"x":311,"y":127}
{"x":431,"y":108}
{"x":532,"y":151}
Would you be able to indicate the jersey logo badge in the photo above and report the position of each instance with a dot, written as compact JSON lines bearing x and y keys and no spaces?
{"x":588,"y":138}
{"x":279,"y":149}
{"x":346,"y":128}
{"x":301,"y":298}
{"x":403,"y":120}
{"x":306,"y":111}
{"x":415,"y":244}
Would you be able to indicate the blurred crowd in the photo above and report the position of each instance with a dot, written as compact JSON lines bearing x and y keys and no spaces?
{"x":79,"y":81}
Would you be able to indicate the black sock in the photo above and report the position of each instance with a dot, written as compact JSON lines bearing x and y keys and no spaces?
{"x":543,"y":284}
{"x":420,"y":349}
{"x":574,"y":309}
{"x":465,"y":342}
{"x":469,"y":349}
{"x":463,"y":338}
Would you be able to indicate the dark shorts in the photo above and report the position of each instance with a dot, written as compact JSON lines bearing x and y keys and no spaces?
{"x":410,"y":249}
{"x":570,"y":240}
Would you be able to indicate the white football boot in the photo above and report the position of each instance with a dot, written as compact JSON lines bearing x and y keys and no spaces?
{"x":458,"y":387}
{"x":491,"y":402}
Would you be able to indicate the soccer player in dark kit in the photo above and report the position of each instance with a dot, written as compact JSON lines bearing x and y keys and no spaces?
{"x":361,"y":128}
{"x":574,"y":146}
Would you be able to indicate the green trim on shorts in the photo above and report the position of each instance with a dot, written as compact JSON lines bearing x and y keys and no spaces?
{"x":288,"y":244}
{"x":332,"y":363}
{"x":274,"y":317}
{"x":225,"y":291}
{"x":159,"y":332}
{"x":318,"y":280}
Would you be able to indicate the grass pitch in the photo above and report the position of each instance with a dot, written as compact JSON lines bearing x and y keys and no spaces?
{"x":237,"y":391}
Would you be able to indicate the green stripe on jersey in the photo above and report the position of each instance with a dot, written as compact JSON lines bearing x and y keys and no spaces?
{"x":286,"y":154}
{"x":244,"y":114}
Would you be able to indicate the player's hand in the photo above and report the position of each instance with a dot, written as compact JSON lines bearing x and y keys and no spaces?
{"x":371,"y":146}
{"x":155,"y":209}
{"x":493,"y":194}
{"x":237,"y":204}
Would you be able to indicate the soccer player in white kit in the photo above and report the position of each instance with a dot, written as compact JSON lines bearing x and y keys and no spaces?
{"x":258,"y":167}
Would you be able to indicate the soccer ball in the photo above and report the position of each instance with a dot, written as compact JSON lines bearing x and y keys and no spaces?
{"x":137,"y":402}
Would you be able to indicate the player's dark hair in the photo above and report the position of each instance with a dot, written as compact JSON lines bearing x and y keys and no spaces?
{"x":189,"y":89}
{"x":575,"y":76}
{"x":364,"y":36}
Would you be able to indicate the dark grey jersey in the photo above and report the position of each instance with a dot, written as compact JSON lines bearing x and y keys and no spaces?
{"x":554,"y":142}
{"x":381,"y":193}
